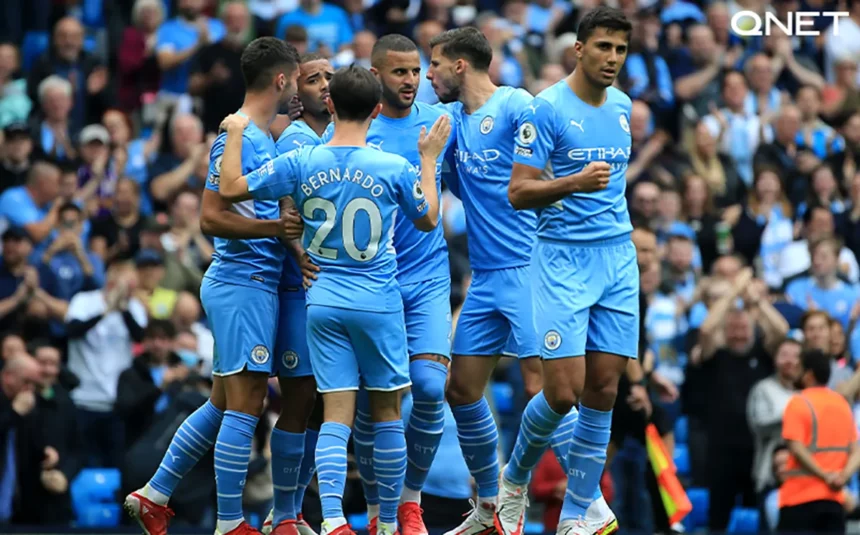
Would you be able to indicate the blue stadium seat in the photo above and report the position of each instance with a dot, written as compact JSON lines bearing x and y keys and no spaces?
{"x":94,"y":486}
{"x":357,"y":521}
{"x":503,"y":397}
{"x":93,"y":13}
{"x":681,"y":430}
{"x":743,"y":520}
{"x":534,"y":528}
{"x":682,"y":459}
{"x":34,"y":45}
{"x":98,"y":515}
{"x":700,"y":499}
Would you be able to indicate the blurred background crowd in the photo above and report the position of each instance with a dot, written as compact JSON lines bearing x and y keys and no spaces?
{"x":744,"y":186}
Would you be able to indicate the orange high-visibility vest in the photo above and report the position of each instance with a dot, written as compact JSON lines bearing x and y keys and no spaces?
{"x":822,"y":420}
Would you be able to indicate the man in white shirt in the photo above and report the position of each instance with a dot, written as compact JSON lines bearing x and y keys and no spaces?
{"x":795,"y":258}
{"x":102,"y":326}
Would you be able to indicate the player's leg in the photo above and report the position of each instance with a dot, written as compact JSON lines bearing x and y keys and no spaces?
{"x":427,"y":310}
{"x":380,"y":344}
{"x":612,"y":339}
{"x":298,"y":397}
{"x":336,"y":370}
{"x":362,"y":445}
{"x":480,"y":336}
{"x":246,"y":367}
{"x":194,"y":438}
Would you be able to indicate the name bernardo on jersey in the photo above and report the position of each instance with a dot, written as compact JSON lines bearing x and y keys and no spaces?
{"x":357,"y":176}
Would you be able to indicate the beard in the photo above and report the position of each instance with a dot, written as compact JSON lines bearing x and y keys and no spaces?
{"x":393,"y":98}
{"x":452,"y":94}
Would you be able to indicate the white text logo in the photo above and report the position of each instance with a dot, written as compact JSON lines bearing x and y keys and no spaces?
{"x":750,"y":23}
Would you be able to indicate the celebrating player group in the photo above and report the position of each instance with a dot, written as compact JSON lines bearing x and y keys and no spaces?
{"x":331,"y":273}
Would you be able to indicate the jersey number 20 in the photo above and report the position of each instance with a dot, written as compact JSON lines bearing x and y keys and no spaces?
{"x":348,"y":227}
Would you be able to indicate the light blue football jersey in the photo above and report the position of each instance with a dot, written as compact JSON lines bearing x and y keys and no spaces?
{"x":295,"y":136}
{"x":421,"y":256}
{"x":560,"y":134}
{"x":348,"y":198}
{"x":499,"y":237}
{"x":257,"y":263}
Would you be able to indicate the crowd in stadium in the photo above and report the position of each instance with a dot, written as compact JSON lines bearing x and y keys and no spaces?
{"x":743,"y":187}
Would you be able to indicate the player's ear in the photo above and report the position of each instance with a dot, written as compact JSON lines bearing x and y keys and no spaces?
{"x":329,"y":105}
{"x":578,"y":48}
{"x":375,"y":71}
{"x":376,"y":111}
{"x":459,"y":66}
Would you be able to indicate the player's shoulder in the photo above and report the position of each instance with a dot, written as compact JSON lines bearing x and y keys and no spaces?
{"x":514,"y":96}
{"x":618,"y":97}
{"x":430,"y":111}
{"x":382,"y":159}
{"x":217,"y":147}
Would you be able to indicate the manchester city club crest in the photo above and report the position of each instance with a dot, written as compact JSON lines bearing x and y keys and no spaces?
{"x":552,"y":340}
{"x":487,"y":125}
{"x":624,"y":124}
{"x":260,"y":354}
{"x":290,"y":359}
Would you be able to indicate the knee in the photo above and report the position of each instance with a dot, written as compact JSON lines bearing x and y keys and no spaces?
{"x":531,"y":389}
{"x":561,"y":401}
{"x":461,"y":392}
{"x":428,"y":380}
{"x":603,"y":386}
{"x":385,"y":406}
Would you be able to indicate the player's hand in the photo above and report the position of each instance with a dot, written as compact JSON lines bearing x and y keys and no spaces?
{"x":292,"y":225}
{"x":431,"y":144}
{"x":295,"y":108}
{"x":54,"y":481}
{"x":309,"y":270}
{"x":235,"y":123}
{"x":594,"y":177}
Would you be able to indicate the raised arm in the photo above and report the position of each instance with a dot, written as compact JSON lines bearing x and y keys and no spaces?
{"x":430,"y":147}
{"x":233,"y":186}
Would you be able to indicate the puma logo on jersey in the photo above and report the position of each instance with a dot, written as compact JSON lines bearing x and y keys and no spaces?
{"x":578,"y":125}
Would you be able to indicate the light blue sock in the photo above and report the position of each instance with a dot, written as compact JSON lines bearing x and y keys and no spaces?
{"x":427,"y":421}
{"x":362,"y":444}
{"x":479,"y":441}
{"x":308,"y":467}
{"x":563,"y":436}
{"x":389,"y":465}
{"x":585,"y":461}
{"x":232,"y":454}
{"x":192,"y":440}
{"x":288,"y":450}
{"x":331,"y":467}
{"x":537,"y":426}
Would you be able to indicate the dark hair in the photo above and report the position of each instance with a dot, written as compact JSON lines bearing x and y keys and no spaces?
{"x":815,"y":361}
{"x":160,"y":327}
{"x":465,"y":43}
{"x":311,"y":56}
{"x":35,"y":345}
{"x":263,"y":58}
{"x":355,"y":92}
{"x":608,"y":18}
{"x":393,"y":42}
{"x":295,"y":33}
{"x":69,"y":206}
{"x":812,"y":206}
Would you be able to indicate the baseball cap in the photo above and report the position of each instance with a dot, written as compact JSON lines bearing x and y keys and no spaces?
{"x":94,"y":132}
{"x":148,"y":258}
{"x":16,"y":130}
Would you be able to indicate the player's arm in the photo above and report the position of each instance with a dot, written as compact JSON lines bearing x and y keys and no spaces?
{"x":430,"y":147}
{"x":534,"y":145}
{"x":234,"y":185}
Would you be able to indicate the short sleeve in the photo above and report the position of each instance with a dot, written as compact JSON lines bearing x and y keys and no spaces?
{"x":82,"y":307}
{"x":795,"y":293}
{"x":277,"y":178}
{"x":17,"y":211}
{"x":216,"y":153}
{"x":535,"y":140}
{"x":164,"y":39}
{"x":796,"y":420}
{"x":410,"y":196}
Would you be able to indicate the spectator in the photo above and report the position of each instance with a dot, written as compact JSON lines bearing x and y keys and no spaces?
{"x":822,"y":289}
{"x":94,"y":174}
{"x":15,"y":105}
{"x":18,"y":281}
{"x":329,"y":31}
{"x":117,"y":236}
{"x":34,"y":206}
{"x":824,"y":191}
{"x":178,"y":40}
{"x":696,"y":69}
{"x":216,"y":71}
{"x":716,"y":168}
{"x":782,"y":154}
{"x":179,"y":165}
{"x":177,"y":275}
{"x":102,"y":325}
{"x":844,"y":163}
{"x":53,"y":128}
{"x":815,"y":134}
{"x":298,"y":37}
{"x":138,"y":67}
{"x":87,"y":76}
{"x":186,"y":317}
{"x":153,"y":380}
{"x":159,"y":301}
{"x":765,"y":406}
{"x":795,"y":259}
{"x":53,"y":460}
{"x":130,"y":157}
{"x":15,"y":156}
{"x":18,"y":379}
{"x":12,"y":345}
{"x":185,"y":238}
